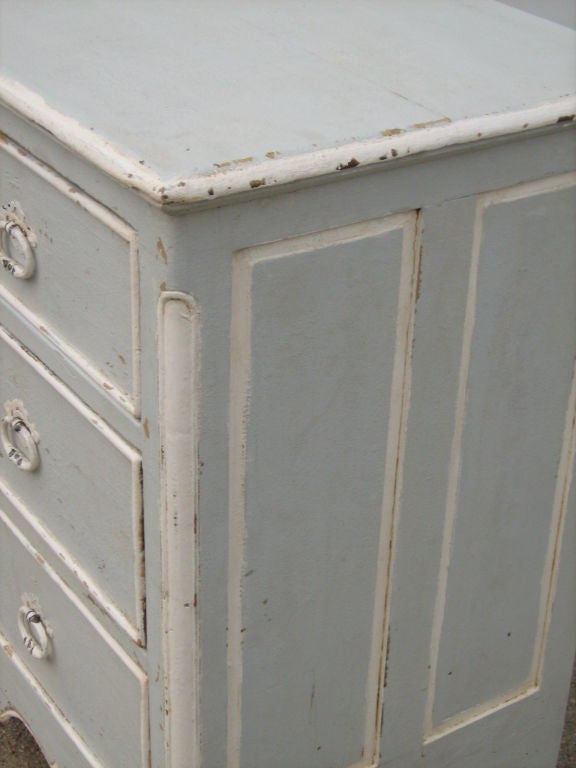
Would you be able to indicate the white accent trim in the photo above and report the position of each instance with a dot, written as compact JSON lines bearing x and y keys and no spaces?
{"x":136,"y":632}
{"x":126,"y":233}
{"x":93,"y":593}
{"x":135,"y":670}
{"x":392,"y":490}
{"x":47,"y":702}
{"x":179,"y":320}
{"x":433,"y":732}
{"x":240,"y":369}
{"x":216,"y":185}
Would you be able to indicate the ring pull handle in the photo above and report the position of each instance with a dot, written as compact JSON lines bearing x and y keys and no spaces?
{"x":33,"y":632}
{"x":19,"y":439}
{"x":16,"y":243}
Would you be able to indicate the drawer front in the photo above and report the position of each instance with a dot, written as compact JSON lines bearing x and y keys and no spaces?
{"x":80,"y":288}
{"x":84,"y":498}
{"x":87,"y":681}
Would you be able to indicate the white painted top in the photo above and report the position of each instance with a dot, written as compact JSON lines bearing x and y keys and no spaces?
{"x":187,"y":91}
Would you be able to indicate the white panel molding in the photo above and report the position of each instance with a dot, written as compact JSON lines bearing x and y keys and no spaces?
{"x":179,"y":356}
{"x":131,"y":402}
{"x":135,"y":670}
{"x":392,"y":490}
{"x":531,"y":685}
{"x":239,"y":404}
{"x":135,"y":631}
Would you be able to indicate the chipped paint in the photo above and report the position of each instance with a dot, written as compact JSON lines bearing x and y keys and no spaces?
{"x":272,"y":155}
{"x":432,"y":123}
{"x":146,"y":428}
{"x":350,"y":164}
{"x":386,"y":662}
{"x":255,"y":183}
{"x":162,"y":250}
{"x":228,"y":180}
{"x":419,"y":278}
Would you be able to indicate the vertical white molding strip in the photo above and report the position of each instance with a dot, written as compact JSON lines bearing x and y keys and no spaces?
{"x":550,"y":575}
{"x":240,"y":346}
{"x":179,"y":376}
{"x":455,"y":465}
{"x":392,"y":488}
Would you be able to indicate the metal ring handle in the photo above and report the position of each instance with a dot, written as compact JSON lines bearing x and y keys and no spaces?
{"x":11,"y":231}
{"x":19,"y":443}
{"x":33,"y":632}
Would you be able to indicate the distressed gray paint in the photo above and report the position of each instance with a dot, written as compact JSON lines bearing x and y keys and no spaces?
{"x":83,"y":278}
{"x":288,"y":77}
{"x":89,"y":501}
{"x":323,"y":343}
{"x":200,"y":249}
{"x":109,"y":687}
{"x":519,"y":382}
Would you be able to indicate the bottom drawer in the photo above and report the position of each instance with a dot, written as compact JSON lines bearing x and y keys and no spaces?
{"x":61,"y":745}
{"x":83,"y":676}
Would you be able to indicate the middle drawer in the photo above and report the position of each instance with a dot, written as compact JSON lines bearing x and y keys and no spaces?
{"x":84,"y":497}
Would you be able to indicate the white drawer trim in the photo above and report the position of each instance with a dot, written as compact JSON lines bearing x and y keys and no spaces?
{"x":135,"y":632}
{"x":115,"y":648}
{"x":41,"y":694}
{"x":129,"y":235}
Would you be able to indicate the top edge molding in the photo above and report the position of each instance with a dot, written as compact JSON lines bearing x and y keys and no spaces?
{"x":278,"y":171}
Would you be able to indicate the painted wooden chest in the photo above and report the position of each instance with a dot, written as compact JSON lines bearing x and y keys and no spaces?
{"x":287,"y":344}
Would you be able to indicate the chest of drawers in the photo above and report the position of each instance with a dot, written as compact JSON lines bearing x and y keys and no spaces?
{"x":287,"y":343}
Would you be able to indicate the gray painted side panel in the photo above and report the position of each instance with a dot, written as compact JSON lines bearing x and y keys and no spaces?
{"x":519,"y":382}
{"x":323,"y":340}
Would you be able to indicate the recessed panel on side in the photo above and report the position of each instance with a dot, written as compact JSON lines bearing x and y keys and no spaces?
{"x":506,"y":463}
{"x":313,"y":387}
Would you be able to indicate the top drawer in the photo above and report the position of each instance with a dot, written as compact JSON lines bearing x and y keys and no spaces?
{"x":81,"y":290}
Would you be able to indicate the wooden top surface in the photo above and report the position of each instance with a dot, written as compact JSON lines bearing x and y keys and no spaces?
{"x":189,"y":89}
